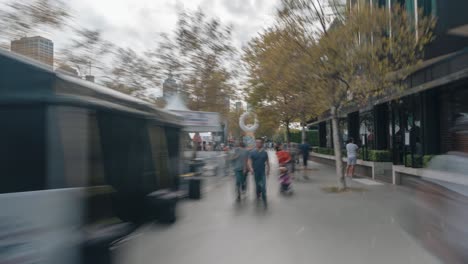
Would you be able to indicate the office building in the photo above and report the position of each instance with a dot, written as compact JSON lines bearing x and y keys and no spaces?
{"x":170,"y":87}
{"x":413,"y":125}
{"x":37,"y":48}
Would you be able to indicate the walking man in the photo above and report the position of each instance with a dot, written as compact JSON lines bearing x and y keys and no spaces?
{"x":351,"y":150}
{"x":239,"y":163}
{"x":305,"y":152}
{"x":258,"y":165}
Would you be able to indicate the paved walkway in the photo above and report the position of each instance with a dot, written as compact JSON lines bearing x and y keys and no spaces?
{"x":309,"y":227}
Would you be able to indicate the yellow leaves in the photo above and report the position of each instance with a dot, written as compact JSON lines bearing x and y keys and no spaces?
{"x":366,"y":54}
{"x":278,"y":76}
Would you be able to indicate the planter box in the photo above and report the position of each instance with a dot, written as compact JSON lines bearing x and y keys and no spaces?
{"x":381,"y":171}
{"x":400,"y":171}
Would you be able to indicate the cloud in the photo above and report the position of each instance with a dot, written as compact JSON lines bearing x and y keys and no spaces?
{"x":138,"y":23}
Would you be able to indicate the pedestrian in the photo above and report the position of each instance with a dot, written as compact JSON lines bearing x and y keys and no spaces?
{"x":260,"y":167}
{"x":351,"y":150}
{"x":293,"y":151}
{"x":239,"y":163}
{"x":304,"y":148}
{"x":283,"y":156}
{"x":285,"y":181}
{"x":197,"y":140}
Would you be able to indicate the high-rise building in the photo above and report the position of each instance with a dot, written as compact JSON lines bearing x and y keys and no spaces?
{"x":451,"y":30}
{"x":37,"y":48}
{"x":170,"y":87}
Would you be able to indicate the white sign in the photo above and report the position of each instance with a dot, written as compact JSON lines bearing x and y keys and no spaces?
{"x":407,"y":138}
{"x":200,"y":121}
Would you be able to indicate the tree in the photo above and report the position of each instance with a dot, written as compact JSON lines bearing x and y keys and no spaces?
{"x":277,"y":79}
{"x":268,"y":123}
{"x":86,"y":50}
{"x":199,"y":54}
{"x":134,"y":71}
{"x":359,"y":55}
{"x":20,"y":19}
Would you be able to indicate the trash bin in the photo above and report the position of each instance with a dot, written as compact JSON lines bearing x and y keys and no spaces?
{"x":98,"y":240}
{"x":166,"y":207}
{"x":194,"y":184}
{"x":195,"y":165}
{"x":152,"y":204}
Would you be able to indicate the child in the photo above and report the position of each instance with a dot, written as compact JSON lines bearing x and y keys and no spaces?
{"x":285,"y":180}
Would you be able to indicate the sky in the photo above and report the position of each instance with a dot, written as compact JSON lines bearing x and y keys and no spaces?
{"x":138,"y":23}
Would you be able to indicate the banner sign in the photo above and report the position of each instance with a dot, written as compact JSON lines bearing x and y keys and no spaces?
{"x":200,"y":121}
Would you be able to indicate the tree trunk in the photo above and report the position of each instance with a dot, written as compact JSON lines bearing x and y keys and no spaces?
{"x":288,"y":132}
{"x":337,"y":149}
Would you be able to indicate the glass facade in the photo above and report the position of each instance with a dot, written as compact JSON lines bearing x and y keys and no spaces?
{"x":344,"y":131}
{"x":454,"y":111}
{"x":366,"y":130}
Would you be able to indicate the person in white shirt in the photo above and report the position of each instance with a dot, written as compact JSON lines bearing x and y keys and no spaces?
{"x":351,"y":149}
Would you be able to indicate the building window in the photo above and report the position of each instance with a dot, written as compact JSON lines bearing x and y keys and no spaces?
{"x":366,"y":130}
{"x":344,"y":131}
{"x":22,"y":155}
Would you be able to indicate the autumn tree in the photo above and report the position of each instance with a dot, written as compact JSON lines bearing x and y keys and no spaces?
{"x":277,"y":79}
{"x":86,"y":50}
{"x":199,"y":53}
{"x":23,"y":18}
{"x":359,"y":55}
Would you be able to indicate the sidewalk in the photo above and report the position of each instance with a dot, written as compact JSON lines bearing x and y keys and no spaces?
{"x":309,"y":227}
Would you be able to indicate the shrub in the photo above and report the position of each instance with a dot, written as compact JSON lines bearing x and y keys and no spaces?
{"x":426,"y":160}
{"x":380,"y":155}
{"x":324,"y":151}
{"x":418,"y":161}
{"x":312,"y":137}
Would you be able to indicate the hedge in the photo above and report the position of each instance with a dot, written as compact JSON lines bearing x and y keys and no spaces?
{"x":419,"y":161}
{"x":380,"y":155}
{"x":324,"y":151}
{"x":312,"y":137}
{"x":427,"y":159}
{"x":373,"y":155}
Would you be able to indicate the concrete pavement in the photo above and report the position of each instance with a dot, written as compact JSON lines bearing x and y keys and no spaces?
{"x":309,"y":227}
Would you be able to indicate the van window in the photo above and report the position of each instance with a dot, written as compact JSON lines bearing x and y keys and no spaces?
{"x":22,"y":149}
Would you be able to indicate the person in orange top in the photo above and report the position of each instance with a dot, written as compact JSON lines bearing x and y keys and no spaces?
{"x":284,"y":158}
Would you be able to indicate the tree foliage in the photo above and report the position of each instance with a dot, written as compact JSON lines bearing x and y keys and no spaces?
{"x":333,"y":60}
{"x":278,"y":78}
{"x":86,"y":50}
{"x":200,"y":55}
{"x":22,"y":18}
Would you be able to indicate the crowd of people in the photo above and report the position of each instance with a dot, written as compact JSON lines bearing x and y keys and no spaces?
{"x":256,"y":162}
{"x":243,"y":160}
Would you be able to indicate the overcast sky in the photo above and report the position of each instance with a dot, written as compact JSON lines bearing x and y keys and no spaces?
{"x":137,"y":23}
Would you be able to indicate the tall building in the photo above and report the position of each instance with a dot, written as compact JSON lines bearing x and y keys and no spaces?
{"x":37,"y":48}
{"x":451,"y":29}
{"x":170,"y":87}
{"x":428,"y":118}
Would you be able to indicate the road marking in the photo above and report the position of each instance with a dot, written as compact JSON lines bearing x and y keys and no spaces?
{"x":367,"y":182}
